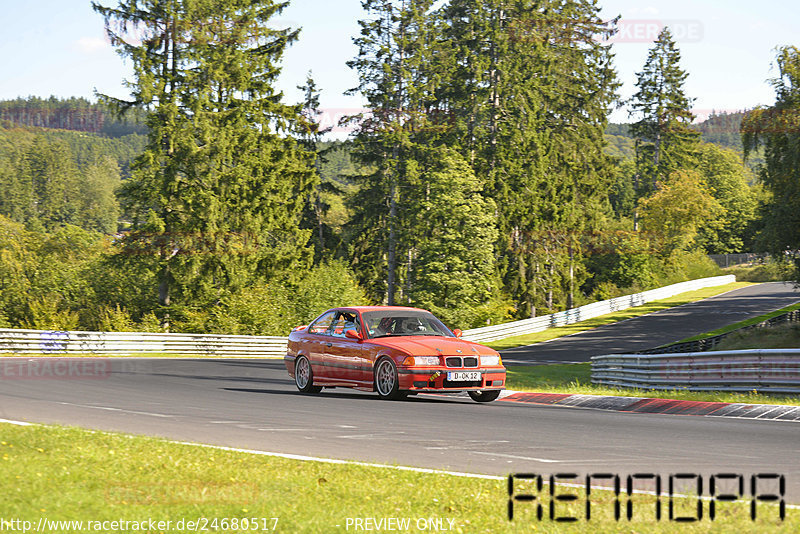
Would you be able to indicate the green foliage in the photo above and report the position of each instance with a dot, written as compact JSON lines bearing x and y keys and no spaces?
{"x":727,"y":179}
{"x":776,"y":130}
{"x":64,"y":259}
{"x":116,"y":319}
{"x":261,"y":310}
{"x":451,"y":266}
{"x":683,"y":265}
{"x":324,"y":210}
{"x":484,"y":183}
{"x":17,"y":260}
{"x":72,"y":279}
{"x":624,"y":260}
{"x":678,"y":208}
{"x":46,"y":279}
{"x":622,"y":195}
{"x":770,"y":271}
{"x":620,"y":147}
{"x":48,"y":179}
{"x":47,"y":313}
{"x":275,"y":308}
{"x":522,"y":94}
{"x":722,"y":129}
{"x":783,"y":336}
{"x":325,"y":286}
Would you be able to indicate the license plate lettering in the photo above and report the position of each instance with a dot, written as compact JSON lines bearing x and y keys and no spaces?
{"x":463,"y":376}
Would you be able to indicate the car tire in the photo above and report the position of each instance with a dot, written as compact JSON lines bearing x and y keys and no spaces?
{"x":484,"y":396}
{"x":387,"y":383}
{"x":304,"y":376}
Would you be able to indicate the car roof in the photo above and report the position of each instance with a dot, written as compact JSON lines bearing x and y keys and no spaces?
{"x":379,"y":308}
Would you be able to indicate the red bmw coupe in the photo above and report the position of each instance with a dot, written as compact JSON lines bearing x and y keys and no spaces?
{"x":393,"y":350}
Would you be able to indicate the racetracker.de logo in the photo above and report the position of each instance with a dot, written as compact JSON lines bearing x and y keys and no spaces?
{"x":647,"y":30}
{"x":55,"y":369}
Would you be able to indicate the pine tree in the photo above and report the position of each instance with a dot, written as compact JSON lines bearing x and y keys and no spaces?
{"x":451,"y":268}
{"x":311,"y":135}
{"x":218,"y":192}
{"x":392,"y":51}
{"x":665,"y":142}
{"x":521,"y":90}
{"x":531,"y":91}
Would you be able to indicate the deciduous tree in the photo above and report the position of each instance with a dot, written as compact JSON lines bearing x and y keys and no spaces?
{"x":777,"y":129}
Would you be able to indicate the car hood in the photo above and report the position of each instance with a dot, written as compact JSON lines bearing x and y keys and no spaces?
{"x":430,"y":345}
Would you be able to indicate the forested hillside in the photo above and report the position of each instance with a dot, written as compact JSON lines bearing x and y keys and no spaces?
{"x":49,"y":178}
{"x":76,"y":114}
{"x":722,"y":129}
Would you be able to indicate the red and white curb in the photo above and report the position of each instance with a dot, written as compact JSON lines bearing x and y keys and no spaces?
{"x":771,"y":412}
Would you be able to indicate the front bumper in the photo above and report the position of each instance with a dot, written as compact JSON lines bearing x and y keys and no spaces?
{"x":416,"y":379}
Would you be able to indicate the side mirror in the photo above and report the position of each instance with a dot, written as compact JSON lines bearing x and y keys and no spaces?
{"x":353,"y":334}
{"x":457,"y":332}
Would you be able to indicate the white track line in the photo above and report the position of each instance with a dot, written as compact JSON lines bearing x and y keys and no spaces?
{"x":18,"y":423}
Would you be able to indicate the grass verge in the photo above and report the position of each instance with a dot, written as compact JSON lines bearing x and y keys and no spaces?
{"x":630,"y":313}
{"x":770,"y":271}
{"x":782,"y":336}
{"x":576,"y":379}
{"x":70,"y":474}
{"x":742,"y":324}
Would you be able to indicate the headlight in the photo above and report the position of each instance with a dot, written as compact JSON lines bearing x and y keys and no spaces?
{"x":490,"y":361}
{"x":421,"y":360}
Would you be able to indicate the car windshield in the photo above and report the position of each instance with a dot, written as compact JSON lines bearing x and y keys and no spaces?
{"x":403,"y":323}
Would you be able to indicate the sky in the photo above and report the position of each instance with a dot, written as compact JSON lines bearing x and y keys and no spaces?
{"x":58,"y":47}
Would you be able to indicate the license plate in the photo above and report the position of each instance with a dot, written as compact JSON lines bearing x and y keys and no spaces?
{"x":463,"y":376}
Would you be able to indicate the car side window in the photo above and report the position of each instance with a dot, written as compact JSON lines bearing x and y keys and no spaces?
{"x":344,"y":321}
{"x":321,"y":325}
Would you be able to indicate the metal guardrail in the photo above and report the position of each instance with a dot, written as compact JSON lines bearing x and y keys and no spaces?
{"x":709,"y":343}
{"x":43,"y":342}
{"x":48,"y":343}
{"x":589,"y":311}
{"x":763,"y":370}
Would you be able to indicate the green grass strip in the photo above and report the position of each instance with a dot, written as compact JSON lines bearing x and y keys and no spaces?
{"x":575,"y":379}
{"x":64,"y":474}
{"x":742,"y":324}
{"x":638,"y":311}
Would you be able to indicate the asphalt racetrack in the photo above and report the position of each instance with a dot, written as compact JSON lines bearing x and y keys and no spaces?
{"x":659,"y":328}
{"x":253,"y":404}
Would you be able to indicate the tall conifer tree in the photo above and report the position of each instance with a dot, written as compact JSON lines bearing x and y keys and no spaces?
{"x":391,"y":52}
{"x":665,"y":142}
{"x":530,"y":92}
{"x":219,"y":189}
